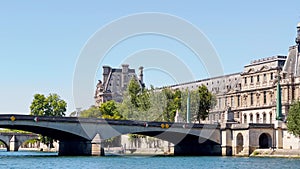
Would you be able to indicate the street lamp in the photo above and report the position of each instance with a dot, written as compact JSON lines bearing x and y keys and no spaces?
{"x":78,"y":111}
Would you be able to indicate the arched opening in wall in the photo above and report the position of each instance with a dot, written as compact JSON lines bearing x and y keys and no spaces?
{"x":264,"y":117}
{"x":271,"y":117}
{"x":245,"y":118}
{"x":251,"y":118}
{"x":257,"y":118}
{"x":265,"y":140}
{"x":3,"y":146}
{"x":239,"y":143}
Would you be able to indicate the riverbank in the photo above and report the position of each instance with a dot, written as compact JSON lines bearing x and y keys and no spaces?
{"x":283,"y":153}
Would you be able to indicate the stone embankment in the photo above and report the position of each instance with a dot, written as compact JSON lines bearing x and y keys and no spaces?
{"x":287,"y":153}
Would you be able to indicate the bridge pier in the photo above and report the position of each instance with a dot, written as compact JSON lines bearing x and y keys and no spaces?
{"x":81,"y":147}
{"x":13,"y":144}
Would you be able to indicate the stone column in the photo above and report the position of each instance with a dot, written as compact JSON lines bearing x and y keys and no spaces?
{"x":97,"y":148}
{"x":278,"y":134}
{"x":13,"y":144}
{"x":226,"y":140}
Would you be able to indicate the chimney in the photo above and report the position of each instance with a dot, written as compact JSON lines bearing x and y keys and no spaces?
{"x":124,"y":76}
{"x":106,"y":71}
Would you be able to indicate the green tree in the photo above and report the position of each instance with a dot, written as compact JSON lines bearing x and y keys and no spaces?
{"x":173,"y":103}
{"x":93,"y":111}
{"x":47,"y":106}
{"x":136,"y":102}
{"x":293,"y":119}
{"x":109,"y":110}
{"x":133,"y":90}
{"x":205,"y":101}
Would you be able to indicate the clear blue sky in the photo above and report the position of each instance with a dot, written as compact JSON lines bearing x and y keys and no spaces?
{"x":41,"y":40}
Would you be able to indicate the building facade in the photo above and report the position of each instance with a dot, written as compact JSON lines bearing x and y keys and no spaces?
{"x":248,"y":105}
{"x":251,"y":95}
{"x":115,"y":82}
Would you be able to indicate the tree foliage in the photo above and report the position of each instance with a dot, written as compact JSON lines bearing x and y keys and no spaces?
{"x":48,"y":106}
{"x":293,"y":118}
{"x":173,"y":103}
{"x":205,"y":101}
{"x":93,"y":111}
{"x":134,"y":90}
{"x":109,"y":110}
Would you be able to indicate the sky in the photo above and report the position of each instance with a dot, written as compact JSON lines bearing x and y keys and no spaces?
{"x":41,"y":42}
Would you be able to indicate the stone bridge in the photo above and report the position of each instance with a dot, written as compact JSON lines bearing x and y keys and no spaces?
{"x":84,"y":136}
{"x":13,"y":141}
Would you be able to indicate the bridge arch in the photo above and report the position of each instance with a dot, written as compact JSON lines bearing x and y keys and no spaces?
{"x":265,"y":141}
{"x":5,"y":144}
{"x":185,"y":143}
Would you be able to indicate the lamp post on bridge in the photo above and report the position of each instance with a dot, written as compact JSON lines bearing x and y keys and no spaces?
{"x":78,"y":111}
{"x":188,"y":113}
{"x":278,"y":100}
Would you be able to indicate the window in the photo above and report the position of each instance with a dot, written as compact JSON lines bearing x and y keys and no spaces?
{"x":245,"y":80}
{"x":264,"y":118}
{"x":238,"y":100}
{"x":225,"y":101}
{"x":265,"y":77}
{"x":219,"y":103}
{"x":251,"y":118}
{"x":251,"y":79}
{"x":265,"y":97}
{"x":231,"y":100}
{"x":257,"y":118}
{"x":257,"y":78}
{"x":271,"y":76}
{"x":271,"y":117}
{"x":251,"y":99}
{"x":245,"y":118}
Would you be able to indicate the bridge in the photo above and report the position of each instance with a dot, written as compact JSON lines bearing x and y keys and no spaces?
{"x":13,"y":141}
{"x":84,"y":136}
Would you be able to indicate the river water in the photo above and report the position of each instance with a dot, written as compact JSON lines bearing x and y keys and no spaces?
{"x":40,"y":160}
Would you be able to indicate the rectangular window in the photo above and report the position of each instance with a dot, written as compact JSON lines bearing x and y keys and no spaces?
{"x":265,"y":97}
{"x":251,"y":79}
{"x":265,"y":77}
{"x":251,"y":99}
{"x":219,"y":103}
{"x":257,"y":78}
{"x":271,"y":76}
{"x":238,"y":100}
{"x":245,"y":80}
{"x":225,"y":102}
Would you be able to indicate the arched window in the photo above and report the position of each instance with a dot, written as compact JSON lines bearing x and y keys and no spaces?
{"x":271,"y":117}
{"x":251,"y":118}
{"x":264,"y":118}
{"x":257,"y":118}
{"x":245,"y":118}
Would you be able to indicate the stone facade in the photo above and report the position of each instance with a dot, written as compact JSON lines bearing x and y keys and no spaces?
{"x":115,"y":82}
{"x":250,"y":95}
{"x":246,"y":101}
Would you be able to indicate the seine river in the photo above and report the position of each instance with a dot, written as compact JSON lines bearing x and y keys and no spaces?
{"x":40,"y":160}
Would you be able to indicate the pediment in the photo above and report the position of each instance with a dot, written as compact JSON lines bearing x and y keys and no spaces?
{"x":264,"y":68}
{"x":251,"y":70}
